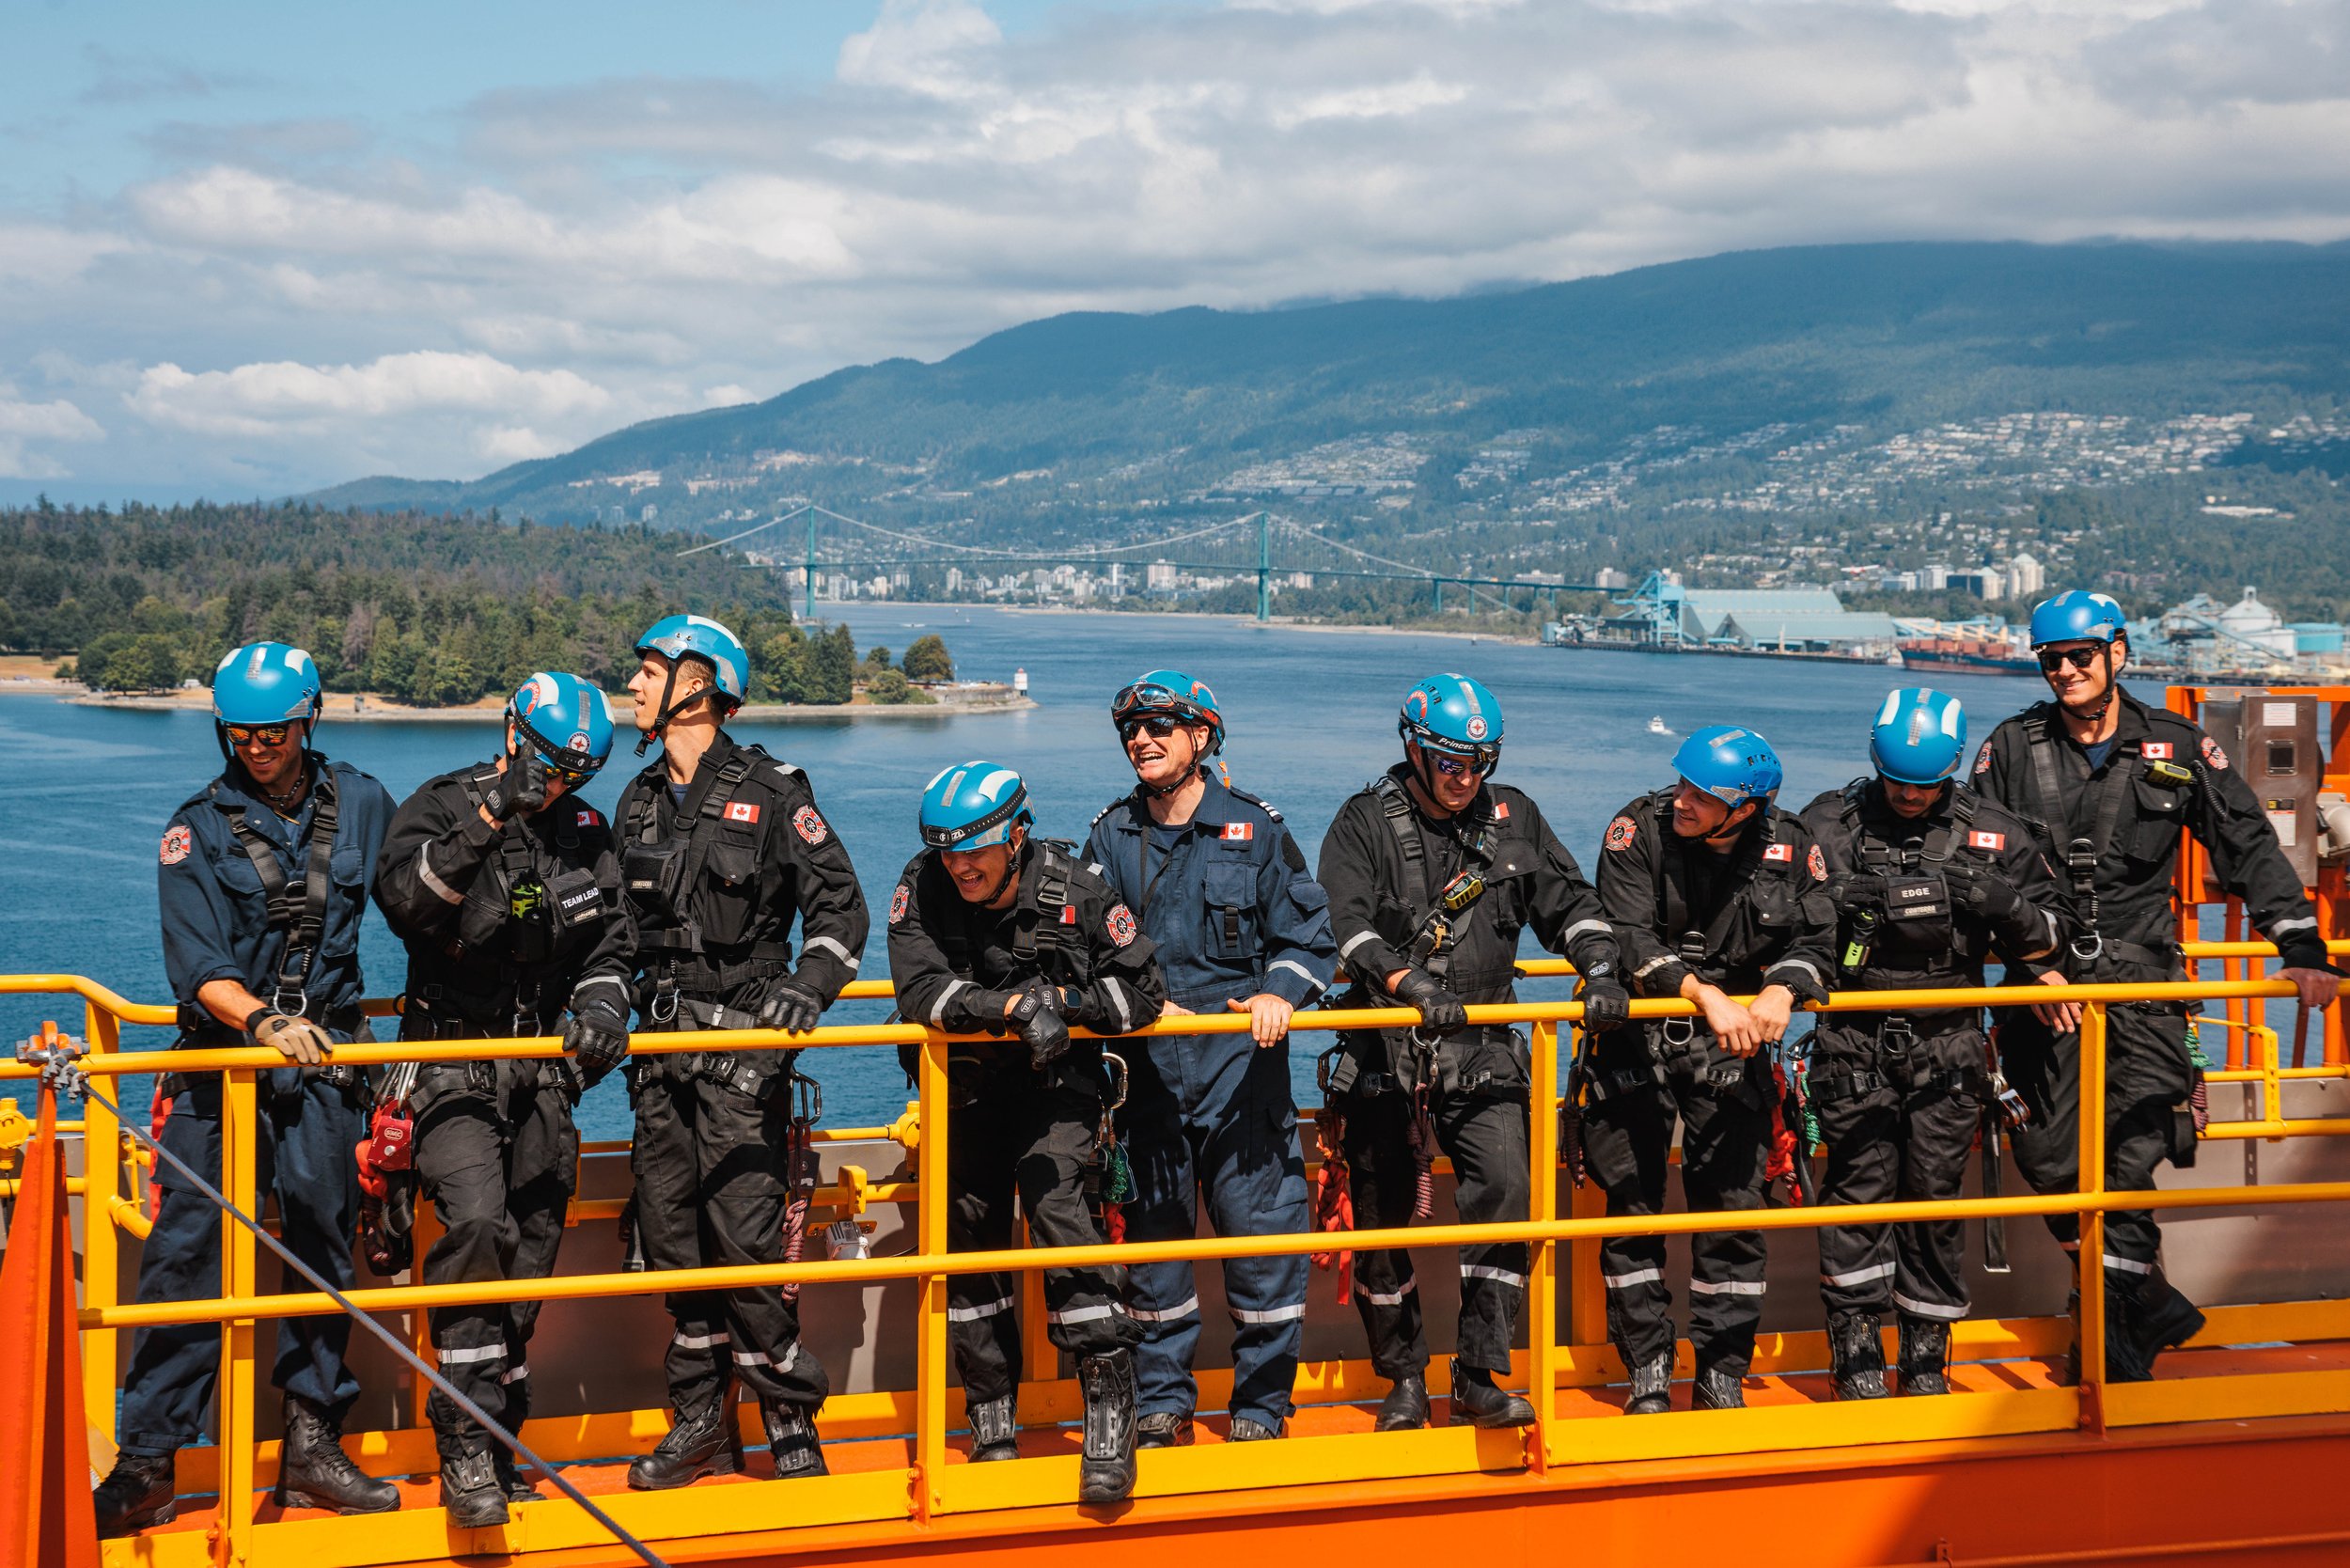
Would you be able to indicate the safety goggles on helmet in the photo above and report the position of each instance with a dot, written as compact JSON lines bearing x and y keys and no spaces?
{"x":2053,"y":659}
{"x":1149,"y":696}
{"x":574,"y":767}
{"x":268,"y":734}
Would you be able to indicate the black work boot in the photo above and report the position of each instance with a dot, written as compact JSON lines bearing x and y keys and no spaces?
{"x":1717,"y":1388}
{"x":471,"y":1491}
{"x":1856,"y":1356}
{"x":1163,"y":1429}
{"x":1405,"y":1408}
{"x":512,"y":1478}
{"x":2166,"y":1319}
{"x":314,"y":1472}
{"x":1476,"y":1401}
{"x":1107,"y":1474}
{"x":1247,"y":1429}
{"x":135,"y":1494}
{"x":1652,"y":1386}
{"x":2069,"y":1374}
{"x":792,"y":1440}
{"x":1925,"y":1356}
{"x":995,"y":1435}
{"x":701,"y":1442}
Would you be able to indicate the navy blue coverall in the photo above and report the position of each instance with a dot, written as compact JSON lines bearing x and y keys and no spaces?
{"x":216,"y":927}
{"x":1228,"y":899}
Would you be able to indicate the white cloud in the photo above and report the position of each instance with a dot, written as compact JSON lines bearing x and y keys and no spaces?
{"x":567,"y":258}
{"x":21,"y":422}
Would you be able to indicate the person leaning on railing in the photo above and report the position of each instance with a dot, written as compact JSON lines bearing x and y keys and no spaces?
{"x":992,"y":929}
{"x":2111,"y":782}
{"x":507,"y":893}
{"x":1434,"y":872}
{"x":263,"y":886}
{"x":723,"y":848}
{"x":1928,"y":880}
{"x":1712,"y":890}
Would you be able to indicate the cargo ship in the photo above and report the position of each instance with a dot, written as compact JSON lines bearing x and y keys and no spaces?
{"x":2231,"y":1454}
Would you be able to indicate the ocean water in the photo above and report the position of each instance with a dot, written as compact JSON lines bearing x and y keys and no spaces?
{"x":1311,"y":715}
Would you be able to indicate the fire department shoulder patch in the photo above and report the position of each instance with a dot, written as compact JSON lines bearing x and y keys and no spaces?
{"x":1983,"y":759}
{"x":898,"y":902}
{"x":810,"y":824}
{"x":1619,"y":833}
{"x":1818,"y":863}
{"x":1122,"y":925}
{"x":177,"y":842}
{"x":2212,"y":753}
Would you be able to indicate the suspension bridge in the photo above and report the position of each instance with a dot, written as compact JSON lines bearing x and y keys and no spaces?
{"x":871,"y":546}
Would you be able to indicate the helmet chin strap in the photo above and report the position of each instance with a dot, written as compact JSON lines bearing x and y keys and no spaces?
{"x":669,"y":709}
{"x":1011,"y":867}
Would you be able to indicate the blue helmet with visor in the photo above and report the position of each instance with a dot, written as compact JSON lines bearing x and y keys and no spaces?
{"x":1919,"y":736}
{"x":1455,"y":717}
{"x":1171,"y":693}
{"x":1732,"y":763}
{"x":973,"y":804}
{"x":565,"y":723}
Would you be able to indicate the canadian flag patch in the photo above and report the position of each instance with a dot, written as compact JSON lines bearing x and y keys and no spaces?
{"x":2156,"y":751}
{"x":1992,"y":841}
{"x":742,"y":811}
{"x":1780,"y":852}
{"x":1069,"y":914}
{"x":1501,"y":810}
{"x":1239,"y":833}
{"x":586,"y":818}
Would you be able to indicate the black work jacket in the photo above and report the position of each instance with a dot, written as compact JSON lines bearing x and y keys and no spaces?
{"x":2112,"y":833}
{"x":1753,"y":916}
{"x":1063,"y":926}
{"x":1859,"y":831}
{"x":714,"y":884}
{"x":503,"y":926}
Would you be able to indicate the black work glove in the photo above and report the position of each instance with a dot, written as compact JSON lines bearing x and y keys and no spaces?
{"x":1440,"y":1010}
{"x":519,"y":791}
{"x":792,"y":1006}
{"x":1606,"y":1005}
{"x":1853,"y":891}
{"x":1980,"y":890}
{"x":1035,"y":1017}
{"x":597,"y":1039}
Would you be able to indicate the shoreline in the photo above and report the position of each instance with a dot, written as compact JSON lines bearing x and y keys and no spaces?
{"x":343,"y":706}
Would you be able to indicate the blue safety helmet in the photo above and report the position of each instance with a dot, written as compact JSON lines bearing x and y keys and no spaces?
{"x":564,"y":720}
{"x":267,"y":683}
{"x":678,"y":636}
{"x":1919,"y":736}
{"x":1732,"y":764}
{"x":1453,"y":714}
{"x":2074,"y":616}
{"x":1172,"y":693}
{"x":973,"y":804}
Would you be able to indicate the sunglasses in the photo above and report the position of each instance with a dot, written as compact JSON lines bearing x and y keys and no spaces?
{"x":1158,"y":725}
{"x":268,"y":734}
{"x":1453,"y":767}
{"x":2053,"y":659}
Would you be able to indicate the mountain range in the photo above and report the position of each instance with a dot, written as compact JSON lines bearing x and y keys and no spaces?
{"x":1077,"y":415}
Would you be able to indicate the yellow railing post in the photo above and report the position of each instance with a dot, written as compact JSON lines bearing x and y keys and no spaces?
{"x":1541,"y":1271}
{"x":2093,"y":1327}
{"x":930,"y":1423}
{"x":101,"y":1182}
{"x":240,"y":1142}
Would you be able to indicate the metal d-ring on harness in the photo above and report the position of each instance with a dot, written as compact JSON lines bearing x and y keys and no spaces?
{"x":57,"y":1070}
{"x":300,"y":914}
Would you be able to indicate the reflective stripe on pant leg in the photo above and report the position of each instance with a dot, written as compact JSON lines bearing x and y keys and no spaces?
{"x":1387,"y":1294}
{"x":1486,"y":1140}
{"x":1626,"y":1141}
{"x":1941,"y":1131}
{"x":1857,"y":1262}
{"x":1163,"y":1298}
{"x":1248,"y":1154}
{"x":1722,"y":1146}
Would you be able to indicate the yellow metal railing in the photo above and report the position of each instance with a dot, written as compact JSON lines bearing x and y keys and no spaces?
{"x":928,"y":1486}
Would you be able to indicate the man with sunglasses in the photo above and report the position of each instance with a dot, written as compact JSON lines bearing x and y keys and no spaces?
{"x":1433,"y":872}
{"x":262,"y":886}
{"x":1715,"y":893}
{"x":1241,"y":926}
{"x":2111,"y":781}
{"x":507,"y":892}
{"x":993,"y":931}
{"x":723,"y":848}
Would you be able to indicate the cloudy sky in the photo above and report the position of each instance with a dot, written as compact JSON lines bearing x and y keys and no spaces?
{"x":247,"y":248}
